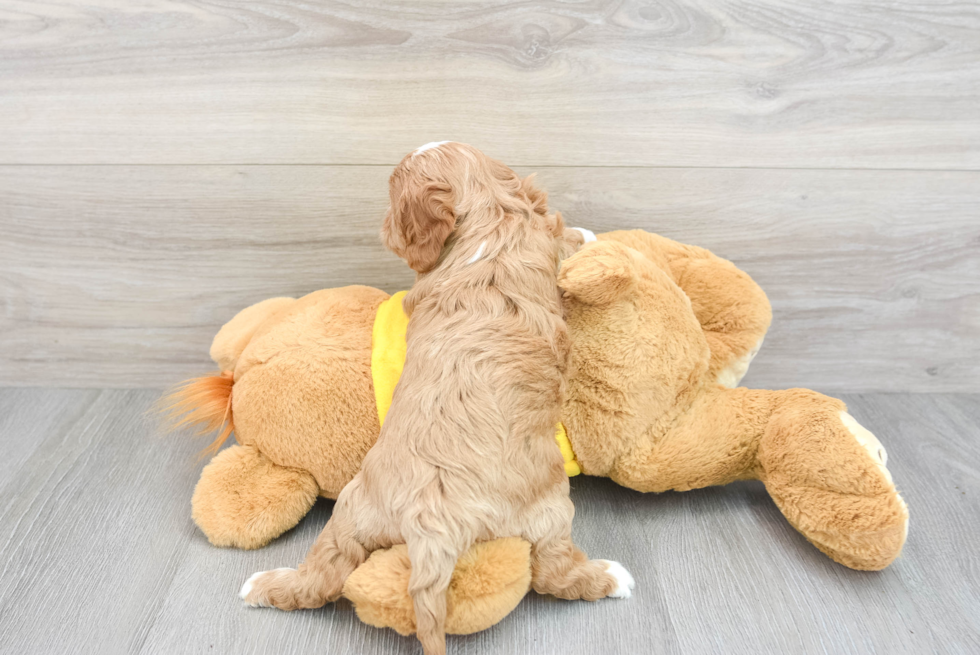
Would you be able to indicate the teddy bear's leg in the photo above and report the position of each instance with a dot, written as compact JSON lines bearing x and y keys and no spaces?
{"x":234,"y":335}
{"x":245,"y":501}
{"x":827,"y":475}
{"x":490,"y":580}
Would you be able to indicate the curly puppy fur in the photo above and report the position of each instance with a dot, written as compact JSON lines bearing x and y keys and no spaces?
{"x":467,"y":452}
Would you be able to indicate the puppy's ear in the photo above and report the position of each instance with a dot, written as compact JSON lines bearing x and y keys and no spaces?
{"x":537,"y":197}
{"x":418,"y":223}
{"x":571,"y":241}
{"x":558,"y":228}
{"x":598,"y":274}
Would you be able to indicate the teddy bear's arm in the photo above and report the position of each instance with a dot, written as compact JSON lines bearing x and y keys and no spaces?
{"x":733,"y":310}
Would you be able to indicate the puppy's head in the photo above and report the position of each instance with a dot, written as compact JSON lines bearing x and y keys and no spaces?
{"x":448,"y":187}
{"x":422,"y":213}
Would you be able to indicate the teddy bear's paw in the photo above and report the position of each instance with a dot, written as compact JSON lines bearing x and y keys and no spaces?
{"x":245,"y":500}
{"x":624,"y":581}
{"x":733,"y":374}
{"x":868,"y":441}
{"x":255,"y":590}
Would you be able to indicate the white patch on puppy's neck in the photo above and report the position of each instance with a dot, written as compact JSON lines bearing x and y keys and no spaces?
{"x":428,"y":146}
{"x":479,"y":253}
{"x":588,"y":234}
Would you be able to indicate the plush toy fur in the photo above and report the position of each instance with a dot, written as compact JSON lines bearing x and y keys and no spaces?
{"x":650,"y":405}
{"x":661,"y":333}
{"x":489,"y":581}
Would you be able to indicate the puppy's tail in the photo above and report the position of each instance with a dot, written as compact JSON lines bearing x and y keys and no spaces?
{"x":204,"y":402}
{"x":433,"y":561}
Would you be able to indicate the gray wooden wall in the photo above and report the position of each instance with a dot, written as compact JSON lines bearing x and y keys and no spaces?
{"x":164,"y":164}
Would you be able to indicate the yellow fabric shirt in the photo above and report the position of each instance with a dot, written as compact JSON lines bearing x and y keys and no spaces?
{"x":388,"y":359}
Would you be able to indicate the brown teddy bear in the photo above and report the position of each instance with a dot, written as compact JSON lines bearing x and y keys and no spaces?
{"x":661,"y":334}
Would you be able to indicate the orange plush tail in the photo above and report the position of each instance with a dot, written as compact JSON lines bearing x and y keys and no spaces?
{"x":203,"y":402}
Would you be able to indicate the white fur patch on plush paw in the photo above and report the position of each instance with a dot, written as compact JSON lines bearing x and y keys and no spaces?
{"x":247,"y":589}
{"x":731,"y":376}
{"x":624,"y":581}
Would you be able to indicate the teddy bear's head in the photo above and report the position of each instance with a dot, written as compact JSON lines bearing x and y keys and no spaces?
{"x":638,"y":356}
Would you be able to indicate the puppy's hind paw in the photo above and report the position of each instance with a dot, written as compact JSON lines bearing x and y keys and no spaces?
{"x":252,"y":592}
{"x":624,"y":581}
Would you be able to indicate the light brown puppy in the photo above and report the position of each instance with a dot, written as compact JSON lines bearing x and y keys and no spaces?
{"x":467,"y":452}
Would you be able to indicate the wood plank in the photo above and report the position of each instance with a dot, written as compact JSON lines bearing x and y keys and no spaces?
{"x":88,"y":537}
{"x":120,"y":276}
{"x":734,"y":84}
{"x":98,"y":551}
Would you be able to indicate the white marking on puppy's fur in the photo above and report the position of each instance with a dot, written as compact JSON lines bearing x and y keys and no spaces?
{"x":624,"y":581}
{"x":588,"y":234}
{"x":479,"y":253}
{"x":247,"y":587}
{"x":428,"y":146}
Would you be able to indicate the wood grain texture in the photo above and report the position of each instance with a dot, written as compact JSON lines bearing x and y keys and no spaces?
{"x":121,"y":276}
{"x":787,"y":83}
{"x":99,"y":554}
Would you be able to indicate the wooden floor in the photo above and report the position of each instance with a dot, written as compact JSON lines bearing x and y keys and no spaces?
{"x":99,"y":553}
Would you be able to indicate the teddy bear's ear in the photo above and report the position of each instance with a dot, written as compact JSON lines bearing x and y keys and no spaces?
{"x":419,"y":221}
{"x":600,"y":273}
